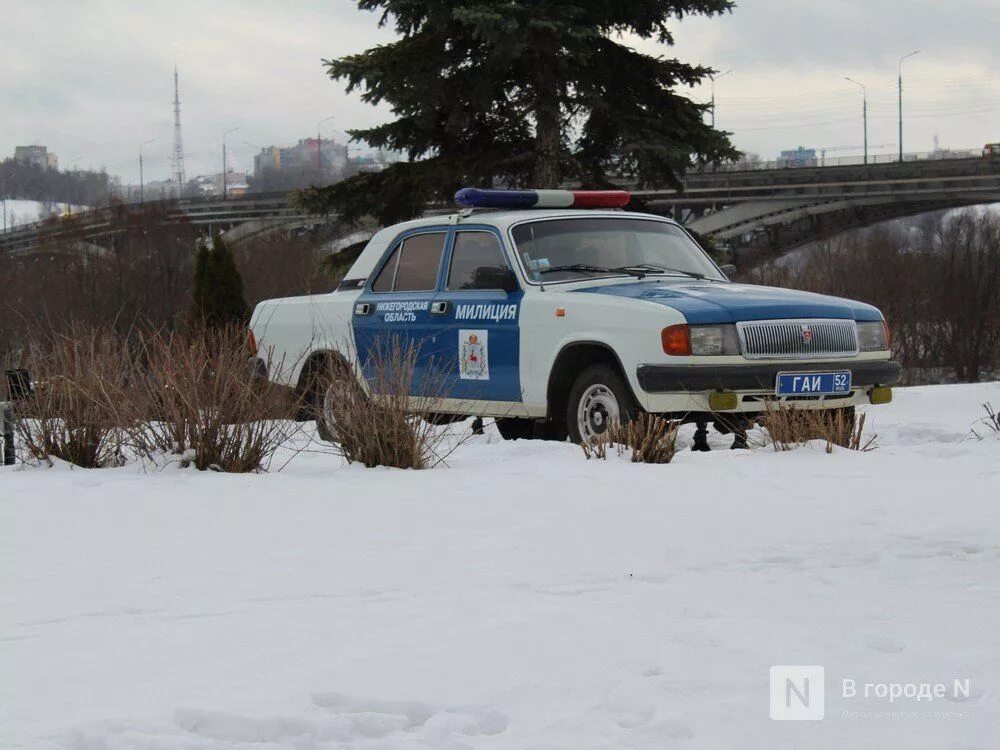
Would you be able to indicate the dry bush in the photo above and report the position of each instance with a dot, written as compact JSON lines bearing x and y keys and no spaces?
{"x":787,"y":427}
{"x":206,"y":405}
{"x":649,"y":439}
{"x":86,"y":395}
{"x":391,"y":424}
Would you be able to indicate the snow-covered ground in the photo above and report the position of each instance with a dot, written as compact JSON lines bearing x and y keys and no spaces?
{"x":25,"y":212}
{"x":521,"y":597}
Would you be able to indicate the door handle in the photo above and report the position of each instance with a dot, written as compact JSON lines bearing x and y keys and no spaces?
{"x":362,"y":308}
{"x":440,"y":307}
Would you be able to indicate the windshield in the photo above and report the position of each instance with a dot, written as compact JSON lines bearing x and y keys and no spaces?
{"x":573,"y":249}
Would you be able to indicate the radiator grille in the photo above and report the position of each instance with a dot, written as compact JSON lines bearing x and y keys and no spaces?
{"x":798,"y":339}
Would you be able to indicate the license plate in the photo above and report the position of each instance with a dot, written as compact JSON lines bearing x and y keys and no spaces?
{"x":813,"y":383}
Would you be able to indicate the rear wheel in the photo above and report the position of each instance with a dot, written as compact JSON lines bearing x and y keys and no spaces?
{"x":333,"y":387}
{"x":599,"y":398}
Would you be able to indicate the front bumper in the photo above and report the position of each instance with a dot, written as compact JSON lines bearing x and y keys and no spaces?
{"x":756,"y":377}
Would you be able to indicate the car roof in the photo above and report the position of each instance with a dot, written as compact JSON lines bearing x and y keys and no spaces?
{"x":501,"y":219}
{"x":505,"y":218}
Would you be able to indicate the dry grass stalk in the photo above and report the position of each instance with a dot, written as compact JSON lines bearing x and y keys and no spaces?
{"x":649,"y":439}
{"x":87,"y":384}
{"x":787,"y":427}
{"x":991,"y":421}
{"x":387,"y":425}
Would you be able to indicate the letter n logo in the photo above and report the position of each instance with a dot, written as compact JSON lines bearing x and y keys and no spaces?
{"x":798,"y":693}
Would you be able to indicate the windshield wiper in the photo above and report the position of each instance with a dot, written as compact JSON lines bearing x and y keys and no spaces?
{"x":586,"y":268}
{"x":650,"y":268}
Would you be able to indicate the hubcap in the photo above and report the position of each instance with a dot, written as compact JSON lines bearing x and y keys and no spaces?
{"x":597,"y":410}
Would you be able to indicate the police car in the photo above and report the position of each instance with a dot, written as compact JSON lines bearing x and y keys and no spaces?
{"x":557,"y":313}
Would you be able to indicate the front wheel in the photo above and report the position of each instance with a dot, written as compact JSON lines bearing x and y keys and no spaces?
{"x":599,"y":398}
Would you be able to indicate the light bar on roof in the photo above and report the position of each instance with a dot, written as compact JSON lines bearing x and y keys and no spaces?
{"x":478,"y":198}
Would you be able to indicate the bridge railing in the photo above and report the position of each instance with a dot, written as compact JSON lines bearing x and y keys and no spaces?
{"x":752,"y":165}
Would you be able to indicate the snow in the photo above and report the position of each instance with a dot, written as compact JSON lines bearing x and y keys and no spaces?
{"x":520,"y":597}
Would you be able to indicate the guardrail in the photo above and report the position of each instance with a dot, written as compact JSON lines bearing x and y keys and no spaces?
{"x":756,"y":165}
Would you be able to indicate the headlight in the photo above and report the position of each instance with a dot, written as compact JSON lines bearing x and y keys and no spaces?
{"x":714,"y":340}
{"x":873,"y":337}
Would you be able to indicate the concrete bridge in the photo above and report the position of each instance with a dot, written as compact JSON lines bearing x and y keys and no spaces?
{"x":767,"y":212}
{"x":244,"y":216}
{"x":761,"y":212}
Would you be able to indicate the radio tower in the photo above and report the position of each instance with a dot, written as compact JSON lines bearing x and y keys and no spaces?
{"x":177,"y":161}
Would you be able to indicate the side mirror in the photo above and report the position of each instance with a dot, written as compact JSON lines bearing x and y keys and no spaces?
{"x":729,"y":270}
{"x":494,"y":277}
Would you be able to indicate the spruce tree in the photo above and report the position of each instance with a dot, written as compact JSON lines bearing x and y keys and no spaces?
{"x":201,"y":289}
{"x":217,"y":294}
{"x":231,"y":306}
{"x":525,"y":93}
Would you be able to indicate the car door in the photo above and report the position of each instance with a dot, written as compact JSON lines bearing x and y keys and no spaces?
{"x":475,"y":319}
{"x":392,"y":316}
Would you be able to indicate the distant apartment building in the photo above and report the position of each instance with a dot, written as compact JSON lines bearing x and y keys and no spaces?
{"x":37,"y":156}
{"x":308,"y":152}
{"x":798,"y":157}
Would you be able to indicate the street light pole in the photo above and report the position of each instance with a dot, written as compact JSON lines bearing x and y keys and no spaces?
{"x":864,"y":111}
{"x":142,"y":186}
{"x":899,"y":81}
{"x":224,"y":176}
{"x":713,"y":77}
{"x":319,"y":144}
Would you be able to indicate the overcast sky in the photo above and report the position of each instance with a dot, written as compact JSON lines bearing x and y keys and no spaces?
{"x":93,"y":78}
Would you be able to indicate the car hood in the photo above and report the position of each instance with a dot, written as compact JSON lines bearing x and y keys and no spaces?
{"x":722,"y":302}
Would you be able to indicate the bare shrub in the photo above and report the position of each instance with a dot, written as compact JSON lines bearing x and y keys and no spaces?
{"x":207,"y":405}
{"x":390,"y":424}
{"x":649,"y":439}
{"x":787,"y":427}
{"x":86,"y":396}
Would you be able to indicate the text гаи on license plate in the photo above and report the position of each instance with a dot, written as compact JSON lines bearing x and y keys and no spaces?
{"x":813,"y":383}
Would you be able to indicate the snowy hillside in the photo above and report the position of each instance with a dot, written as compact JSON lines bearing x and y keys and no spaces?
{"x":25,"y":212}
{"x":521,"y":597}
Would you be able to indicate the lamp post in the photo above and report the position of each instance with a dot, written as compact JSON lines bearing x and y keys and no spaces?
{"x":713,"y":77}
{"x":142,"y":185}
{"x":899,"y":81}
{"x":864,"y":111}
{"x":224,"y":177}
{"x":319,"y":144}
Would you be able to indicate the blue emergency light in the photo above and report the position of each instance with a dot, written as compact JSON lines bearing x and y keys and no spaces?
{"x":480,"y":198}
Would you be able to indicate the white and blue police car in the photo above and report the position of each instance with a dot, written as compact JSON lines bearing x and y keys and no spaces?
{"x":556,"y":313}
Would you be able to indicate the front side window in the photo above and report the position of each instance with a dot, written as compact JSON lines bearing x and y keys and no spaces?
{"x":413,"y":265}
{"x":475,"y":254}
{"x":575,"y":249}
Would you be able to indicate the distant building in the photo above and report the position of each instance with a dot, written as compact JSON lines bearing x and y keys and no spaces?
{"x":332,"y":157}
{"x":37,"y":156}
{"x":799,"y":157}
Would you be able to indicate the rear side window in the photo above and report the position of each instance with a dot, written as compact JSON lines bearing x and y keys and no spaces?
{"x":413,"y":265}
{"x":383,"y":282}
{"x":473,"y":250}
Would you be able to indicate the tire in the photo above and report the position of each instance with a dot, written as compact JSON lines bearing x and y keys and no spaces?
{"x":515,"y":428}
{"x":330,"y":384}
{"x":599,"y":396}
